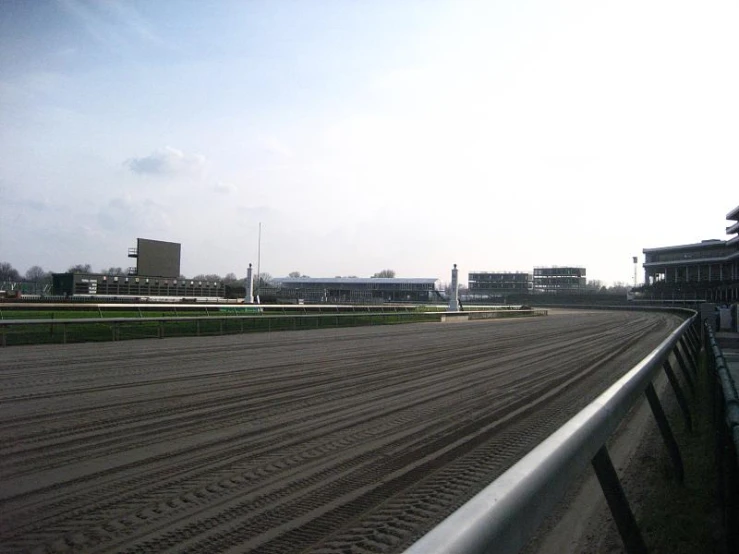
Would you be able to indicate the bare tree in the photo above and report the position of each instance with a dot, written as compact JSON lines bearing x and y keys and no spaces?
{"x":80,"y":268}
{"x":113,"y":271}
{"x":36,"y":274}
{"x":210,"y":277}
{"x":264,"y":280}
{"x":387,"y":273}
{"x":8,"y":273}
{"x":230,"y":278}
{"x":294,"y":274}
{"x":594,"y":284}
{"x":619,"y":287}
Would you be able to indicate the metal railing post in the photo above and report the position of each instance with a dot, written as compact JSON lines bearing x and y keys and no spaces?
{"x":664,"y":428}
{"x":690,"y":355}
{"x":684,"y":369}
{"x":695,"y":336}
{"x":678,"y":393}
{"x":618,"y":503}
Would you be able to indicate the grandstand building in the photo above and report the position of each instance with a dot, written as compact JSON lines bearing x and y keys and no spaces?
{"x":708,"y":270}
{"x":142,"y":286}
{"x":157,"y":274}
{"x":559,"y":280}
{"x":498,"y":285}
{"x":356,"y":289}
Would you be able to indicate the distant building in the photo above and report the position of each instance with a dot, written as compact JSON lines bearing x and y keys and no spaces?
{"x":707,"y":270}
{"x":559,"y":279}
{"x":141,"y":286}
{"x":485,"y":284}
{"x":157,"y":274}
{"x":356,"y":289}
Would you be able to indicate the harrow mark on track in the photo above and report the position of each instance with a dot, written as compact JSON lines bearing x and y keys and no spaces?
{"x":325,"y":441}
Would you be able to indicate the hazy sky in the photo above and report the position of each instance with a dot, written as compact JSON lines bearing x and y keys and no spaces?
{"x":366,"y":134}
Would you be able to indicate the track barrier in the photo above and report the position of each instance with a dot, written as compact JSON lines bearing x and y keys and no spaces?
{"x":725,"y":408}
{"x":109,"y":328}
{"x":505,"y":514}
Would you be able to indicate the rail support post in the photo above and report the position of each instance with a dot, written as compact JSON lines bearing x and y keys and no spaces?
{"x":684,"y":368}
{"x":618,"y":503}
{"x":664,"y":428}
{"x":689,"y":354}
{"x":695,"y":337}
{"x":679,"y":394}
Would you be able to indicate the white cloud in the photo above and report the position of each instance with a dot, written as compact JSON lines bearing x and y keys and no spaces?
{"x":276,"y":147}
{"x":225,"y":188}
{"x":168,"y":161}
{"x":126,"y":215}
{"x":112,"y":24}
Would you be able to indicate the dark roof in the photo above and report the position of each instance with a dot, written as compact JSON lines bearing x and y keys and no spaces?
{"x":352,"y":280}
{"x":710,"y":243}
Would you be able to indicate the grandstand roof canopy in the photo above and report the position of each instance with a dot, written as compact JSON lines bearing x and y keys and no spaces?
{"x":352,"y":280}
{"x":703,"y":244}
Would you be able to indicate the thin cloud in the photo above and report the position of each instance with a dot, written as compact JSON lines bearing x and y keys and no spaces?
{"x":167,"y":162}
{"x":124,"y":213}
{"x":276,"y":147}
{"x":225,"y":188}
{"x":113,"y":24}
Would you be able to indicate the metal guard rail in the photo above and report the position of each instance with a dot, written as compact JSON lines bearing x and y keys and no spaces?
{"x":728,"y":387}
{"x":505,"y":514}
{"x":115,"y":322}
{"x":725,"y":403}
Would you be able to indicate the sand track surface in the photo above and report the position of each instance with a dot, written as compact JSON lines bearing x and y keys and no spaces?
{"x":330,"y":441}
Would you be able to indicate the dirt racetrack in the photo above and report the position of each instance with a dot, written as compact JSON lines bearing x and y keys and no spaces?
{"x":332,"y":441}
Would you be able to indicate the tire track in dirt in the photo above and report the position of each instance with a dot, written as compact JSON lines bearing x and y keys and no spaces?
{"x":327,"y":441}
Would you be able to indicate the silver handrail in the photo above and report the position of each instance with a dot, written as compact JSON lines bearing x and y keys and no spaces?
{"x":505,"y":514}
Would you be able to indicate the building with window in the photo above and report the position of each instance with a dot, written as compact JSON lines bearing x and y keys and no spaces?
{"x":498,"y":285}
{"x":560,"y":279}
{"x":707,"y":270}
{"x":138,"y":286}
{"x":157,"y":274}
{"x":356,"y":289}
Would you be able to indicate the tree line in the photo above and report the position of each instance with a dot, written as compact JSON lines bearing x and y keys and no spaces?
{"x":37,"y":274}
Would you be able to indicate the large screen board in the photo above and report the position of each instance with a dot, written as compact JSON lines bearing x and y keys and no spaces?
{"x":158,"y":258}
